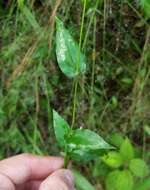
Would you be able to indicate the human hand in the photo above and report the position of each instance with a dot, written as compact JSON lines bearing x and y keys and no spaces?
{"x":29,"y":172}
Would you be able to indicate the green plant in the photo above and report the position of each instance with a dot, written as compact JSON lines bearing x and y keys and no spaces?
{"x":71,"y":61}
{"x":125,"y":167}
{"x":79,"y":144}
{"x":106,"y":89}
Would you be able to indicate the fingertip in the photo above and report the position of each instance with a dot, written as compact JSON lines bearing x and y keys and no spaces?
{"x":67,"y":176}
{"x":59,"y":180}
{"x":56,"y":162}
{"x":44,"y":166}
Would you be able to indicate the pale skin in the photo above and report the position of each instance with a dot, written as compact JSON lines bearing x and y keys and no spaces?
{"x":29,"y":172}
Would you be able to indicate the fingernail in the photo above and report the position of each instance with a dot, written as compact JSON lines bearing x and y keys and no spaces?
{"x":69,"y":177}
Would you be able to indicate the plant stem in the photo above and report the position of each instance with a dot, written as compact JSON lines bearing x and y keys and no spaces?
{"x":104,"y":28}
{"x":90,"y":24}
{"x":76,"y":80}
{"x":94,"y":56}
{"x":93,"y":72}
{"x":74,"y":103}
{"x":66,"y":161}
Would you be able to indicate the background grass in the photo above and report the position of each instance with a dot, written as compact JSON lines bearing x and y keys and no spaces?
{"x":113,"y":95}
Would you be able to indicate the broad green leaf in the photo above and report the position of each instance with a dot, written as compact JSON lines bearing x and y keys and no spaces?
{"x":86,"y":154}
{"x":146,"y":7}
{"x":86,"y":145}
{"x":124,"y":181}
{"x":79,"y":144}
{"x":127,"y":150}
{"x":139,"y":167}
{"x":144,"y":185}
{"x":119,"y":180}
{"x":81,"y":182}
{"x":111,"y":179}
{"x":61,"y":128}
{"x":116,"y":139}
{"x":70,"y":59}
{"x":113,"y":159}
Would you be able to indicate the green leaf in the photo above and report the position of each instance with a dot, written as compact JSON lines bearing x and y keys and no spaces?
{"x":127,"y":150}
{"x":146,"y":7}
{"x":79,"y":144}
{"x":81,"y":182}
{"x":113,"y":159}
{"x":61,"y":128}
{"x":86,"y":145}
{"x":139,"y":167}
{"x":111,"y":180}
{"x":116,"y":139}
{"x":124,"y":181}
{"x":70,"y":59}
{"x":119,"y":180}
{"x":144,"y":185}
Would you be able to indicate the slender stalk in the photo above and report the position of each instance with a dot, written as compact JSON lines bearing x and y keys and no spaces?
{"x":74,"y":103}
{"x":76,"y":80}
{"x":90,"y":24}
{"x":82,"y":23}
{"x":48,"y":103}
{"x":66,"y":161}
{"x":37,"y":111}
{"x":94,"y":51}
{"x":93,"y":71}
{"x":104,"y":28}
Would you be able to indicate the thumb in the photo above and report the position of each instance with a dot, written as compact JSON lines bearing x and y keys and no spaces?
{"x":60,"y":180}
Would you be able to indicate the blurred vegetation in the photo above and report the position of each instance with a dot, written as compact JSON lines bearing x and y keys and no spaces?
{"x":113,"y":95}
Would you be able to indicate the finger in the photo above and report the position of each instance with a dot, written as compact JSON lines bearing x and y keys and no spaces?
{"x":59,"y":180}
{"x":20,"y":169}
{"x":31,"y":185}
{"x":6,"y":183}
